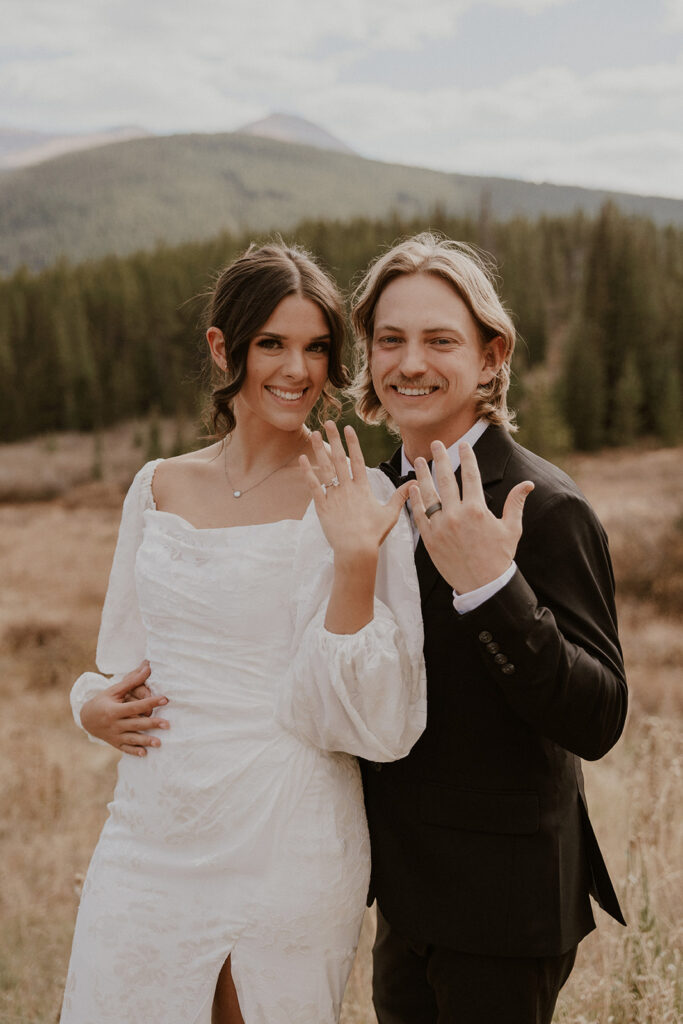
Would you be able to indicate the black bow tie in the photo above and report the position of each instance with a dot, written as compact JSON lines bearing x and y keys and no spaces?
{"x":396,"y":477}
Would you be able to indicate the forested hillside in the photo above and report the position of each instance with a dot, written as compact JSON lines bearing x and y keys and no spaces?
{"x":599,"y":306}
{"x":132,"y":195}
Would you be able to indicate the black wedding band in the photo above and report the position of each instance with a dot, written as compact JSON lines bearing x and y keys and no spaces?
{"x":436,"y":507}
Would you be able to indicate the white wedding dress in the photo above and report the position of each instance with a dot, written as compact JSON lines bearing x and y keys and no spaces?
{"x":245,"y":832}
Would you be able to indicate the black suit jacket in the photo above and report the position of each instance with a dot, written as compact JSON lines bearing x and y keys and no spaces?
{"x":481,"y":839}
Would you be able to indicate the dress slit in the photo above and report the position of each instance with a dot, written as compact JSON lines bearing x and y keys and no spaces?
{"x":238,"y":1000}
{"x":204,"y":1015}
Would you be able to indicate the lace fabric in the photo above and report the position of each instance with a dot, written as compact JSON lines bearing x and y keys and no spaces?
{"x":245,"y":832}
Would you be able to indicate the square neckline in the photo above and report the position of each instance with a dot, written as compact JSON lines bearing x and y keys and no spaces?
{"x":220,"y":529}
{"x":152,"y":507}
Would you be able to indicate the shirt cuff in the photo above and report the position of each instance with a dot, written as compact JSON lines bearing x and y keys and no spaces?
{"x":473,"y":598}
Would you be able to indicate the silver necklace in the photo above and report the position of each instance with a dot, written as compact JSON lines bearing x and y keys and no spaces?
{"x":237,"y":493}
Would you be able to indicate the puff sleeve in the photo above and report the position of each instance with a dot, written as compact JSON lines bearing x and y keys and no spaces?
{"x":122,"y":640}
{"x":363,"y":693}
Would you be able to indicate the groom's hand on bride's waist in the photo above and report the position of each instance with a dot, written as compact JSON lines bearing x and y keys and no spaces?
{"x":121,"y":715}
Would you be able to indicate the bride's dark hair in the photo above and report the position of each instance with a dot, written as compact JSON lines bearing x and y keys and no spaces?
{"x":244,"y":296}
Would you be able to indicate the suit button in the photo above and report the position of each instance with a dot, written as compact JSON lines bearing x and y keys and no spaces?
{"x":508,"y":669}
{"x":493,"y":647}
{"x":485,"y":637}
{"x":376,"y":766}
{"x":501,"y":659}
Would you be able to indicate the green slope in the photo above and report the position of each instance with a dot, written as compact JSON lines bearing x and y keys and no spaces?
{"x":172,"y":189}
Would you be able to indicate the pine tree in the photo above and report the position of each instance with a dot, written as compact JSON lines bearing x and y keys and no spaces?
{"x":543,"y":428}
{"x":154,"y":446}
{"x":628,"y":398}
{"x":583,"y":389}
{"x":668,"y":416}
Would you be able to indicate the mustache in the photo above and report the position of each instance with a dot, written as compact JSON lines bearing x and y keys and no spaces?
{"x":411,"y":382}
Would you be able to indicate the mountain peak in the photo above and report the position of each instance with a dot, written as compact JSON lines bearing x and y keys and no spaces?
{"x":291,"y":128}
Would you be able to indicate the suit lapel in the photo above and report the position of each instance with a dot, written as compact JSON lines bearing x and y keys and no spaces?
{"x":427,"y":573}
{"x":392,"y":468}
{"x":493,"y":451}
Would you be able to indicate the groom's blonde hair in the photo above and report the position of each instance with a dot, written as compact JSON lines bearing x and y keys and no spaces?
{"x":471,"y":274}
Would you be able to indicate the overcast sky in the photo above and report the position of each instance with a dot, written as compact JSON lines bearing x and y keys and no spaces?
{"x":588,"y":92}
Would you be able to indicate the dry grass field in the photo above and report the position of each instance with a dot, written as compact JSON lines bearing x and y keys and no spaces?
{"x":57,"y":532}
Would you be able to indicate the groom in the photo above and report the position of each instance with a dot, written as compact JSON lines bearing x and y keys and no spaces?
{"x":483,"y":854}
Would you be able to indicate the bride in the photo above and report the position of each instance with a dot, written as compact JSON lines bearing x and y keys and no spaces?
{"x":267,"y":585}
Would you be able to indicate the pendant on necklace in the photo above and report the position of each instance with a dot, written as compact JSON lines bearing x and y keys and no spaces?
{"x":237,"y":494}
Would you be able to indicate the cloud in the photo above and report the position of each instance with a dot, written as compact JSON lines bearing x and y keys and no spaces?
{"x":214,"y":65}
{"x":529,"y":6}
{"x":611,"y":129}
{"x":674,"y":15}
{"x":204,"y":66}
{"x":53,"y":26}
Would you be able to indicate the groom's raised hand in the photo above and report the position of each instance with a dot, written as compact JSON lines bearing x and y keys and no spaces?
{"x":466,"y":542}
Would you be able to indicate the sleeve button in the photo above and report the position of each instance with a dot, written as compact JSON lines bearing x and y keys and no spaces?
{"x":485,"y":637}
{"x":501,"y":659}
{"x":508,"y":669}
{"x":493,"y":647}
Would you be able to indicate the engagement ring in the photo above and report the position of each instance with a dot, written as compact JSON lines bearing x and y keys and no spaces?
{"x":331,"y":483}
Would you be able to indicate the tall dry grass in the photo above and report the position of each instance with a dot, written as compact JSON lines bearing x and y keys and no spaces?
{"x":54,"y":785}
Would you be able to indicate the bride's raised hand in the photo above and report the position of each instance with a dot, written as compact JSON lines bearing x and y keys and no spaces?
{"x":354,"y":521}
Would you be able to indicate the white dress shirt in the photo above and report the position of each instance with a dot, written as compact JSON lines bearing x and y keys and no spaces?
{"x":473,"y":598}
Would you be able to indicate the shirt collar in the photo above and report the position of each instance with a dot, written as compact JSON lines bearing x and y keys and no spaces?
{"x":471,"y":437}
